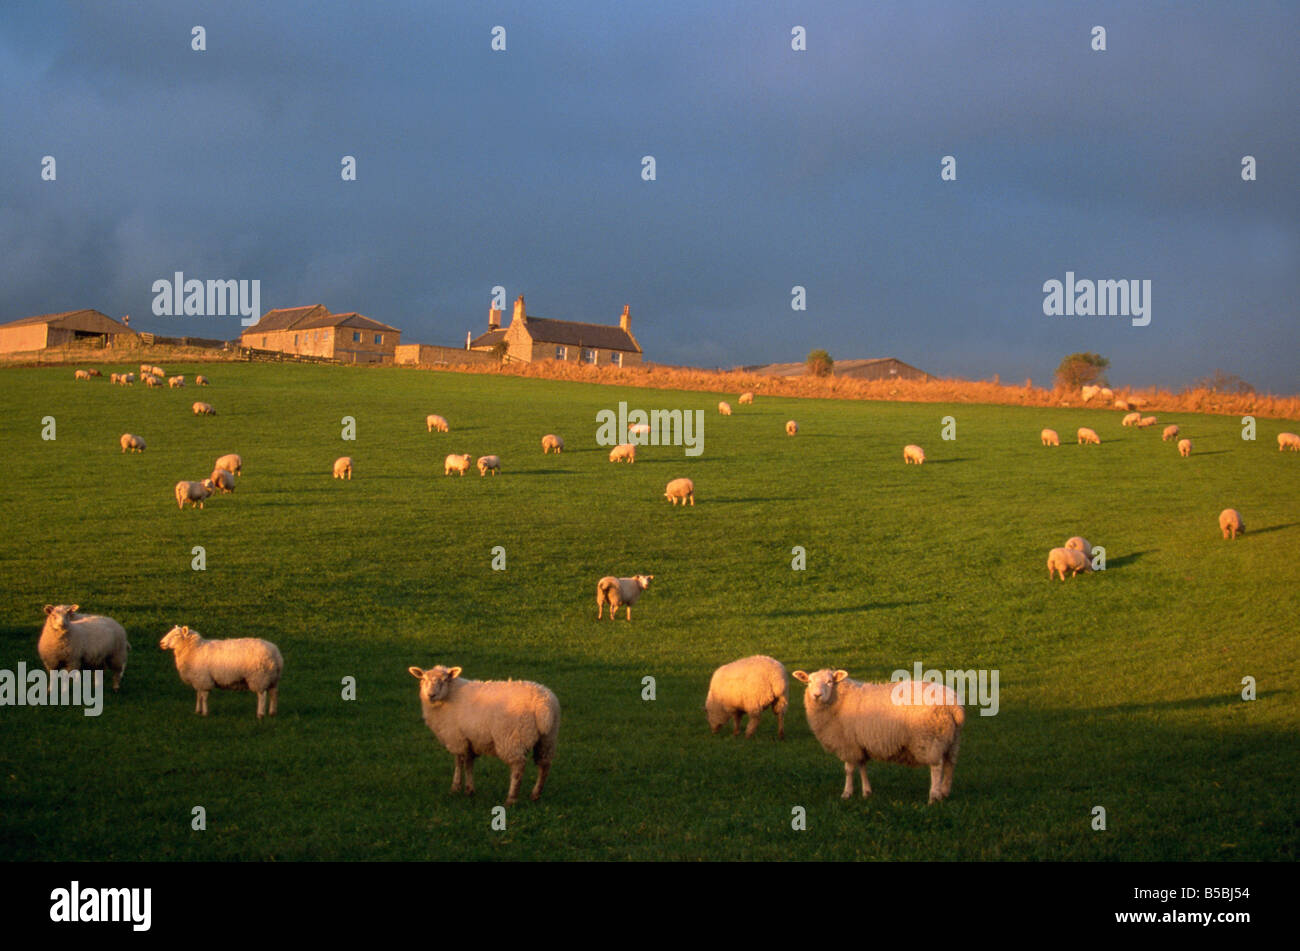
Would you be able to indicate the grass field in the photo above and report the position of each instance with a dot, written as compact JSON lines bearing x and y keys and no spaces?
{"x":1121,"y":689}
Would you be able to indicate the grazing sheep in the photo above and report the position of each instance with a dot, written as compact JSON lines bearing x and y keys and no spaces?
{"x":623,"y":452}
{"x":203,"y":409}
{"x":114,"y":378}
{"x":1089,"y":392}
{"x":94,"y":372}
{"x":343,"y":468}
{"x":1184,"y":447}
{"x":175,"y":382}
{"x":126,"y":379}
{"x":488,"y":464}
{"x":1146,"y":421}
{"x":913,"y":454}
{"x":1061,"y":559}
{"x":1230,"y":523}
{"x":1107,"y":393}
{"x":507,"y":719}
{"x":683,"y":489}
{"x":749,"y":685}
{"x":223,"y":479}
{"x":72,"y":641}
{"x":193,"y":492}
{"x":151,"y":380}
{"x":81,"y":375}
{"x":620,"y":592}
{"x":745,"y":398}
{"x":552,"y":442}
{"x":1087,"y":435}
{"x":145,"y":369}
{"x":157,"y":371}
{"x":1049,"y":437}
{"x":724,"y":409}
{"x":1170,"y":433}
{"x":638,"y":429}
{"x":916,"y":724}
{"x":238,"y":663}
{"x":1079,"y":543}
{"x":434,"y":421}
{"x":458,"y":464}
{"x":1124,"y":405}
{"x":1132,"y":419}
{"x":231,"y":462}
{"x":132,"y":443}
{"x":1288,"y":441}
{"x":200,"y":381}
{"x":791,"y":427}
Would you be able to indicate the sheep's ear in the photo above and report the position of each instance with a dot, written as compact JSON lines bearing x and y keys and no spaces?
{"x":454,"y":671}
{"x":49,"y":609}
{"x":800,"y":676}
{"x":840,"y":675}
{"x":185,"y":631}
{"x":415,"y":672}
{"x":74,"y":609}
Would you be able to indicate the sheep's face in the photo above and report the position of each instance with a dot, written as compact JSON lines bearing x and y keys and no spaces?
{"x":435,"y":683}
{"x":57,"y":616}
{"x":176,"y":637}
{"x":821,"y":684}
{"x":643,"y":581}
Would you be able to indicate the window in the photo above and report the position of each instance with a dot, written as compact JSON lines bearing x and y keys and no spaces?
{"x":295,"y":340}
{"x":263,"y":343}
{"x":379,"y":338}
{"x":616,"y":359}
{"x":356,"y":336}
{"x":561,"y":353}
{"x":588,"y":356}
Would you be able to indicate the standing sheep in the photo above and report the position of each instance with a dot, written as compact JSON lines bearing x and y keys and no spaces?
{"x":1087,"y":435}
{"x":72,"y":641}
{"x":488,"y":464}
{"x":683,"y":489}
{"x":203,"y":409}
{"x":791,"y":427}
{"x":749,"y":685}
{"x":552,"y":442}
{"x":1049,"y":437}
{"x":746,"y":398}
{"x":193,"y":492}
{"x":1288,"y":441}
{"x":895,"y":722}
{"x":238,"y":663}
{"x":151,"y":380}
{"x":343,"y":468}
{"x":175,"y":382}
{"x":158,"y":372}
{"x":1184,"y":447}
{"x":1230,"y":523}
{"x":81,"y":375}
{"x":222,"y":479}
{"x":127,"y":379}
{"x":913,"y":454}
{"x":1170,"y":433}
{"x":619,"y":592}
{"x":458,"y":464}
{"x":231,"y":462}
{"x":1132,"y":419}
{"x":623,"y":452}
{"x":724,"y":409}
{"x":131,"y":442}
{"x":1063,"y":559}
{"x":507,"y":719}
{"x":434,"y":421}
{"x":200,"y":381}
{"x":1079,"y":543}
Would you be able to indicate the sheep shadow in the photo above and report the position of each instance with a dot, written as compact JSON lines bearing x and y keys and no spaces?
{"x":1124,"y":560}
{"x":541,"y":472}
{"x":1274,"y":528}
{"x":940,"y":462}
{"x":1227,"y":699}
{"x":850,"y":609}
{"x":1212,"y":452}
{"x":725,"y":501}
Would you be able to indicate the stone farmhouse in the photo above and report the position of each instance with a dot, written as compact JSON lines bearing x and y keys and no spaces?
{"x":314,"y":331}
{"x":529,"y":339}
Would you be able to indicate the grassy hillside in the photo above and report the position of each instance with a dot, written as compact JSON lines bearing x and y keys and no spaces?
{"x":1119,"y":689}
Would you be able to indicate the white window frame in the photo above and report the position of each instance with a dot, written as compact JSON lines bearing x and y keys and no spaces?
{"x":561,"y":353}
{"x":616,"y":358}
{"x":590,"y":352}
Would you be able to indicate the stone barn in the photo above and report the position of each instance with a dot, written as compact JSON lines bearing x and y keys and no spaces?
{"x":72,"y":328}
{"x":314,"y":331}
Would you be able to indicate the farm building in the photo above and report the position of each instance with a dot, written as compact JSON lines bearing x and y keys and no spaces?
{"x":880,"y":368}
{"x":314,"y":331}
{"x":530,"y":339}
{"x":71,"y":328}
{"x":430,"y":355}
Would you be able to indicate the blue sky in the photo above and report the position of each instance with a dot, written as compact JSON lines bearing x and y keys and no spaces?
{"x":774,"y":168}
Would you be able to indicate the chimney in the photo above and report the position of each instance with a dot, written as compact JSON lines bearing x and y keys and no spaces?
{"x":519,"y":314}
{"x":494,"y":318}
{"x":625,"y":321}
{"x":468,"y":335}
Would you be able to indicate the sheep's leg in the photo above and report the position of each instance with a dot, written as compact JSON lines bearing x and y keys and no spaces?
{"x":848,"y":781}
{"x":516,"y":777}
{"x":469,"y":772}
{"x":275,"y":698}
{"x":600,"y":607}
{"x":752,"y":728}
{"x":862,"y":774}
{"x":261,"y":704}
{"x":936,"y":782}
{"x":948,"y":766}
{"x":629,"y":612}
{"x":543,"y":770}
{"x":202,"y":708}
{"x":455,"y":776}
{"x":780,"y":724}
{"x":736,"y":717}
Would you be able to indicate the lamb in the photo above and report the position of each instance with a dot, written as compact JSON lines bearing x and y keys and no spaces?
{"x":1146,"y":421}
{"x":1049,"y":437}
{"x":222,"y":479}
{"x":237,"y":663}
{"x":1288,"y":441}
{"x":506,"y":719}
{"x":791,"y":427}
{"x":746,"y":398}
{"x":724,"y":409}
{"x":457,"y":463}
{"x":132,"y":443}
{"x":72,"y":641}
{"x":1060,"y":559}
{"x":1087,"y":435}
{"x":623,"y":452}
{"x":200,"y":381}
{"x":343,"y":468}
{"x":913,"y":454}
{"x":619,"y":592}
{"x":895,"y":722}
{"x":193,"y":492}
{"x":81,"y":375}
{"x":434,"y":421}
{"x":151,"y":380}
{"x":749,"y":685}
{"x":203,"y":409}
{"x":683,"y":489}
{"x":552,"y":442}
{"x":488,"y":464}
{"x":1132,"y":419}
{"x":231,"y":462}
{"x":1230,"y":523}
{"x":1184,"y":447}
{"x":1170,"y":433}
{"x":175,"y":382}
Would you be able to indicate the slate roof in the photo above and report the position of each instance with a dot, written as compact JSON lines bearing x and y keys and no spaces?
{"x":85,"y":320}
{"x":575,"y":334}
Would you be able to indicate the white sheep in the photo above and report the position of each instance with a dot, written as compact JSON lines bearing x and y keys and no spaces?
{"x":1230,"y":523}
{"x":749,"y":685}
{"x":508,"y":719}
{"x":457,"y":463}
{"x":158,"y":371}
{"x":1089,"y":392}
{"x":746,"y":398}
{"x":1132,"y":419}
{"x":145,"y":369}
{"x":231,"y":462}
{"x":791,"y":427}
{"x":114,"y":378}
{"x":724,"y":409}
{"x":72,"y":641}
{"x":237,"y":663}
{"x":916,"y":724}
{"x":203,"y":409}
{"x":683,"y":489}
{"x":126,"y":379}
{"x":81,"y":375}
{"x":914,"y":454}
{"x":1079,"y":543}
{"x":151,"y":380}
{"x":1049,"y":437}
{"x":223,"y":479}
{"x":1107,"y":393}
{"x":1184,"y":447}
{"x":1123,"y":404}
{"x":620,"y":592}
{"x":638,"y":431}
{"x":1067,"y":559}
{"x":131,"y":442}
{"x":200,"y":381}
{"x":1146,"y":421}
{"x":1170,"y":433}
{"x":1087,"y":435}
{"x":623,"y":452}
{"x":343,"y":468}
{"x":488,"y":464}
{"x":175,"y":382}
{"x":193,"y":492}
{"x":552,"y":442}
{"x":434,"y":421}
{"x":1288,"y":441}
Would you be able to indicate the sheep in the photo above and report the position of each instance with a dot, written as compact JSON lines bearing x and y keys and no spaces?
{"x":749,"y":685}
{"x":747,"y":397}
{"x":488,"y":464}
{"x":81,"y":375}
{"x":507,"y":719}
{"x":237,"y":663}
{"x":231,"y":462}
{"x":638,"y":429}
{"x":151,"y":380}
{"x":157,"y":371}
{"x":552,"y":442}
{"x":127,"y":379}
{"x":200,"y":381}
{"x":1184,"y":447}
{"x":1170,"y":433}
{"x":1124,"y":405}
{"x":1107,"y":393}
{"x":1049,"y":437}
{"x":458,"y":464}
{"x":114,"y":378}
{"x":914,"y":724}
{"x":724,"y":409}
{"x":1089,"y":392}
{"x":72,"y":641}
{"x":623,"y":452}
{"x":343,"y":468}
{"x":1132,"y":419}
{"x":1079,"y":543}
{"x":1230,"y":523}
{"x":175,"y":382}
{"x":1146,"y":421}
{"x":145,"y":369}
{"x":1059,"y":559}
{"x":683,"y":489}
{"x":131,"y":443}
{"x":914,"y":454}
{"x":203,"y":409}
{"x":1087,"y":435}
{"x":620,"y":592}
{"x":94,"y":372}
{"x":434,"y":421}
{"x":193,"y":492}
{"x":1288,"y":441}
{"x":223,"y":479}
{"x":791,"y":427}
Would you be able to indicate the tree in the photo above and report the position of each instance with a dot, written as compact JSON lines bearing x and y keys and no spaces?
{"x":1221,"y":382}
{"x":820,"y":363}
{"x":1081,"y":369}
{"x":500,"y":350}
